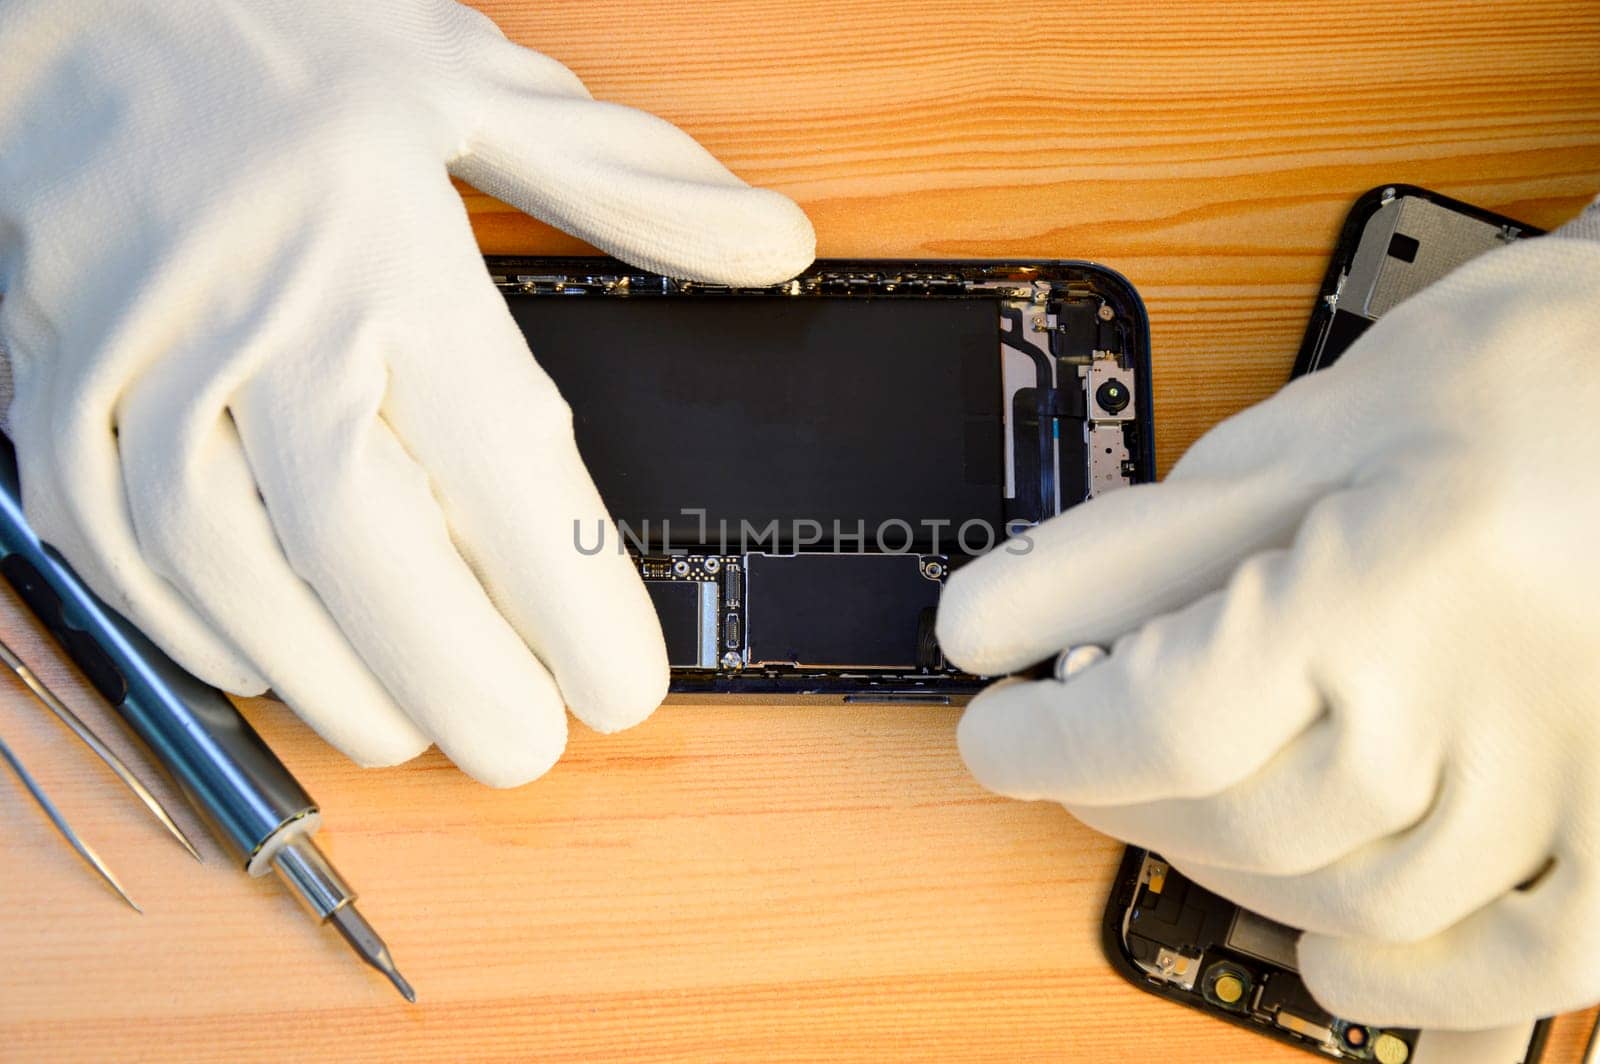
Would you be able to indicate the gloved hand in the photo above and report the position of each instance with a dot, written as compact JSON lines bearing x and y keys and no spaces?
{"x":268,"y":402}
{"x":1355,"y":677}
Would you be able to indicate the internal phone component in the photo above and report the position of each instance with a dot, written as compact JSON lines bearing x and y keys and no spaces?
{"x":1167,"y":921}
{"x":1265,"y":940}
{"x":744,"y":424}
{"x":1108,"y":431}
{"x":1065,"y":366}
{"x":687,"y":593}
{"x":1201,"y":948}
{"x":848,"y":611}
{"x":797,"y":468}
{"x":688,"y":614}
{"x":1408,"y":239}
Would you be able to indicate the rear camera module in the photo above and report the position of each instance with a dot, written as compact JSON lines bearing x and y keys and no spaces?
{"x":1113,"y":397}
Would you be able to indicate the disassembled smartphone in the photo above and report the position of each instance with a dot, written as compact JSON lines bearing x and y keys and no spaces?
{"x":1177,"y":939}
{"x":1396,"y":241}
{"x":796,"y":469}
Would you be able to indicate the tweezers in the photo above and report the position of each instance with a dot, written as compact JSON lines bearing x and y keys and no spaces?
{"x":86,"y":735}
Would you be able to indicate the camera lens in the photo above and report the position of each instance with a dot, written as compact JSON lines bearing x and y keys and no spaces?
{"x":1113,"y":397}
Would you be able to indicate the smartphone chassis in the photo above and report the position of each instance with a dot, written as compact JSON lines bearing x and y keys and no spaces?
{"x":797,"y":469}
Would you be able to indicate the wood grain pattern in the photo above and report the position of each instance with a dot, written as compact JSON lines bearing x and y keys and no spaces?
{"x":791,"y":884}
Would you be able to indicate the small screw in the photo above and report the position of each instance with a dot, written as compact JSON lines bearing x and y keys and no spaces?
{"x":680,"y":567}
{"x":732,"y":660}
{"x":1075,"y":659}
{"x":1106,"y":313}
{"x":711,"y":565}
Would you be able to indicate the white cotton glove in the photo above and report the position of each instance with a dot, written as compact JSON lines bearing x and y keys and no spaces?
{"x":1355,"y":677}
{"x":268,"y":402}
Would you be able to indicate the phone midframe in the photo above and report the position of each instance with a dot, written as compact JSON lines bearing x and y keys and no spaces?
{"x":795,"y":470}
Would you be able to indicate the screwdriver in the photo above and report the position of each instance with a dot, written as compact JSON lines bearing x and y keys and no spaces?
{"x":249,"y":800}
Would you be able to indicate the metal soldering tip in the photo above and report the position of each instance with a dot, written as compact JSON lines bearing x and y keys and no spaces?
{"x":370,"y":947}
{"x":83,"y":848}
{"x":87,"y":736}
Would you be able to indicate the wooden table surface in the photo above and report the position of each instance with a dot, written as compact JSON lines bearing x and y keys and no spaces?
{"x":780,"y":883}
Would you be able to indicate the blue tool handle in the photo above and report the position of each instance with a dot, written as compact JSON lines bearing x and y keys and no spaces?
{"x":226,"y":771}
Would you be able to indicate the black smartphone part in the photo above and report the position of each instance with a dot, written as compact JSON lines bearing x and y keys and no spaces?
{"x":781,"y":421}
{"x":1329,"y":334}
{"x":1206,"y":929}
{"x":754,"y":442}
{"x":1200,"y":923}
{"x":1332,"y":329}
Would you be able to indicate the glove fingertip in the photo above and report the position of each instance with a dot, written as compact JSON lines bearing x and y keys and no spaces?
{"x":627,"y":700}
{"x":224,"y":671}
{"x":974,"y":631}
{"x":636,"y":186}
{"x":384,"y":749}
{"x":757,"y":237}
{"x":1325,"y":970}
{"x":785,"y":240}
{"x":1356,"y":977}
{"x":991,"y":736}
{"x":506,"y":769}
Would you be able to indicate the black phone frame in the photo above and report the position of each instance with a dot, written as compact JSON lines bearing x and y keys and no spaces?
{"x":599,"y":277}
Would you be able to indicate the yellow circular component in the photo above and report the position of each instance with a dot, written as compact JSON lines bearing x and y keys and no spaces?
{"x":1387,"y":1049}
{"x":1228,"y":988}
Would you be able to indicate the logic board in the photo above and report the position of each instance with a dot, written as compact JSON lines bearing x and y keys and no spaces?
{"x":863,"y":600}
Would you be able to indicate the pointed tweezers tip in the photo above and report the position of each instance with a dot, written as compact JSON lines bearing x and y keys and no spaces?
{"x":83,"y":849}
{"x":51,"y":701}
